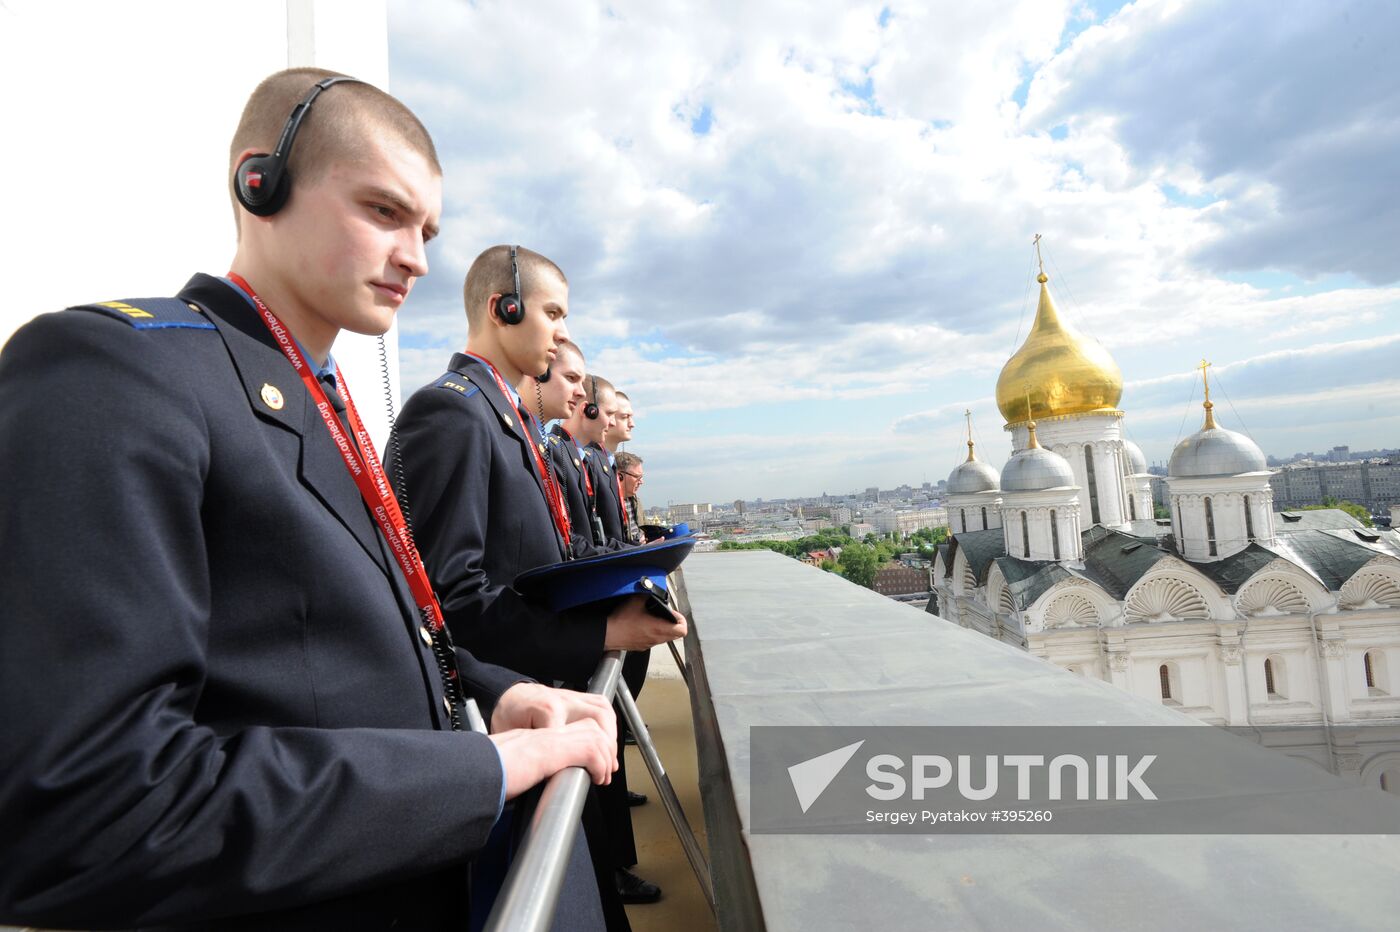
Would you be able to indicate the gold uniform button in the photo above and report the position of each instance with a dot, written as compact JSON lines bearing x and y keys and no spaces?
{"x":426,"y":635}
{"x":506,"y":418}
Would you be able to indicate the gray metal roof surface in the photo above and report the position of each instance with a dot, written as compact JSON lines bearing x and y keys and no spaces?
{"x":980,"y":549}
{"x":1313,"y":519}
{"x":1116,"y":560}
{"x":776,"y":642}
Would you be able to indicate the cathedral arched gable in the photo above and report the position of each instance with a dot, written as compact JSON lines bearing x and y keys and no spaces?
{"x":999,"y":595}
{"x":1072,"y":603}
{"x":1281,"y":588}
{"x":1375,"y":585}
{"x":1175,"y":591}
{"x":964,"y":579}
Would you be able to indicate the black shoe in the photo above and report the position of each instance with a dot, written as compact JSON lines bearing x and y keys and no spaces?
{"x":636,"y":799}
{"x":633,"y":889}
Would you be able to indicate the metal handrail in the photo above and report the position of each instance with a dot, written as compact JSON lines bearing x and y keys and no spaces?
{"x":531,"y":890}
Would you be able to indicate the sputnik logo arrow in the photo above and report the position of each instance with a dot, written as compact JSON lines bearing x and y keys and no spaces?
{"x":811,"y":777}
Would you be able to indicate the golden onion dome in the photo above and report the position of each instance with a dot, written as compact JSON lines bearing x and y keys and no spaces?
{"x":1061,"y":371}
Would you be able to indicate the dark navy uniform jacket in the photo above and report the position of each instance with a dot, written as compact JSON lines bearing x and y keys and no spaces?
{"x":216,"y":700}
{"x":568,"y":465}
{"x":481,"y":519}
{"x":609,"y":504}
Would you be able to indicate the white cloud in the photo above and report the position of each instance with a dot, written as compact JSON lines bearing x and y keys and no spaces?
{"x":854,"y":219}
{"x":1290,"y":112}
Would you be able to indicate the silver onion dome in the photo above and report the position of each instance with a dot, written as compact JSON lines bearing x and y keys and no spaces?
{"x":1137,"y":463}
{"x":1215,"y":451}
{"x":1036,"y":469}
{"x":972,"y":476}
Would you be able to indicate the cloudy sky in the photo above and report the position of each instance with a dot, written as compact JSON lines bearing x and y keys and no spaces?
{"x":799,"y":233}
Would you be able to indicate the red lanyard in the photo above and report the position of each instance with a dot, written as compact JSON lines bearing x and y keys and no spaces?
{"x":553,"y":495}
{"x":362,"y":463}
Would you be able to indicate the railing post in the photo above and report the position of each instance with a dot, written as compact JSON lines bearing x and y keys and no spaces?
{"x":531,"y":890}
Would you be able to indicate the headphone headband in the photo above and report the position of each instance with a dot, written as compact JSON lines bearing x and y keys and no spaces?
{"x":510,"y":308}
{"x":590,"y":410}
{"x":261,"y":182}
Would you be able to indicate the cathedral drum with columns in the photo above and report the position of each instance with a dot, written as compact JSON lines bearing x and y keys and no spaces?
{"x":1229,"y":611}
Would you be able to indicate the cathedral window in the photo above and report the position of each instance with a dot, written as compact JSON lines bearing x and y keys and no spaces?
{"x":1025,"y":537}
{"x":1248,"y":520}
{"x":1169,"y":679}
{"x":1210,"y":527}
{"x":984,"y":517}
{"x":1054,"y":534}
{"x":1093,"y":486}
{"x":1274,"y":678}
{"x":1132,"y":507}
{"x":962,"y":516}
{"x":1374,"y":663}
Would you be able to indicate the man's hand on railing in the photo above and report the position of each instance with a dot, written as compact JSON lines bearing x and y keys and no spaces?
{"x":531,"y":705}
{"x":632,"y":627}
{"x":530,"y":755}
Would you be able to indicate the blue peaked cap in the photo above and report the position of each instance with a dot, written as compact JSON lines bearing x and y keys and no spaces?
{"x":614,"y":575}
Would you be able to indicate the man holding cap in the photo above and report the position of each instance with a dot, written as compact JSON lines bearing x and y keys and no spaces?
{"x":486,"y":501}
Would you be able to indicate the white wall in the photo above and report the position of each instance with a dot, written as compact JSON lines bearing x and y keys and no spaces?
{"x":117,"y":120}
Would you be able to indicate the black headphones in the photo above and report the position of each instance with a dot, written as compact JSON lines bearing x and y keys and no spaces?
{"x":590,"y":410}
{"x":510,"y":308}
{"x":262,"y":182}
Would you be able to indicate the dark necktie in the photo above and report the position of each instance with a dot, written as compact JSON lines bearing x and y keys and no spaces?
{"x":327,"y":380}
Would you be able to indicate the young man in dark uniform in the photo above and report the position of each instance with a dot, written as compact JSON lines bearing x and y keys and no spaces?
{"x":602,"y":471}
{"x":222,"y":704}
{"x":487,"y":505}
{"x":560,"y":397}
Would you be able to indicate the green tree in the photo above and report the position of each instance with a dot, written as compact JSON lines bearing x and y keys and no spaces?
{"x":1161,"y":511}
{"x":858,"y":564}
{"x":1359,"y":512}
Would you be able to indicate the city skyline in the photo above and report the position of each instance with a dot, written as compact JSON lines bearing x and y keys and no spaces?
{"x":800,"y":236}
{"x":933,"y":482}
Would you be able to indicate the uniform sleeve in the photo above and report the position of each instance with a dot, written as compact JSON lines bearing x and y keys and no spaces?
{"x":451,"y":484}
{"x":118,"y":807}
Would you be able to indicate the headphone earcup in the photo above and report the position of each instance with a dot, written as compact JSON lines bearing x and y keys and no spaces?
{"x":510,"y":309}
{"x":543,"y":378}
{"x":590,"y":411}
{"x":261,"y":185}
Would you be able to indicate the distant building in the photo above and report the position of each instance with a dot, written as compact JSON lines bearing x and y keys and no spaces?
{"x":679,"y":513}
{"x":889,"y":521}
{"x":901,"y":579}
{"x":1375,"y":486}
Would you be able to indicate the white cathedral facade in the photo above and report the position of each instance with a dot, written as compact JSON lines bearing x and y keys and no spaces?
{"x":1229,"y":611}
